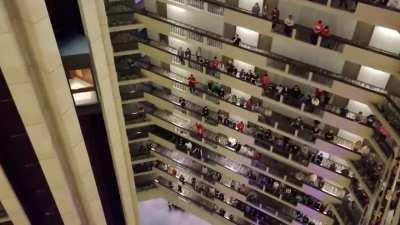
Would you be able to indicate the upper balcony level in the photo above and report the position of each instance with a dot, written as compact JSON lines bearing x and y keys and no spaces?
{"x":341,"y":84}
{"x":348,"y":38}
{"x":345,"y":80}
{"x":385,"y":13}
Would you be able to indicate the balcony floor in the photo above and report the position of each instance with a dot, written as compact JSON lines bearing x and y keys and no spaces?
{"x":156,"y":212}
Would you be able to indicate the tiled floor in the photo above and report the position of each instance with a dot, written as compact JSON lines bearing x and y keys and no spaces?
{"x":155,"y":212}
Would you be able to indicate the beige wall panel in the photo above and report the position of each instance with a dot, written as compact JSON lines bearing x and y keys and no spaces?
{"x":248,"y":21}
{"x":313,"y":214}
{"x":153,"y":24}
{"x":324,"y":197}
{"x":371,"y":59}
{"x":321,"y":7}
{"x":329,"y":175}
{"x":154,"y":52}
{"x":159,"y":102}
{"x":378,"y":16}
{"x":158,"y":79}
{"x":236,"y":110}
{"x":232,"y":155}
{"x":355,"y":93}
{"x":336,"y":150}
{"x":243,"y":138}
{"x":229,"y":192}
{"x":348,"y":125}
{"x":244,"y":55}
{"x":162,"y":142}
{"x":241,"y":85}
{"x":162,"y":123}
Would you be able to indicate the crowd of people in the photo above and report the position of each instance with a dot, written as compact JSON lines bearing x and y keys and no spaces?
{"x":319,"y":100}
{"x":261,"y":181}
{"x":288,"y":24}
{"x":280,"y":143}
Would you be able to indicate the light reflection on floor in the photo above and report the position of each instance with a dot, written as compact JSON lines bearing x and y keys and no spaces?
{"x":155,"y":212}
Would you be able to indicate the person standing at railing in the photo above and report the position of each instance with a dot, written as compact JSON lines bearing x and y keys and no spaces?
{"x":181,"y":55}
{"x":236,"y":40}
{"x":191,"y":83}
{"x":289,"y":25}
{"x":240,"y":126}
{"x":265,"y":80}
{"x":198,"y":54}
{"x":199,"y":130}
{"x":275,"y":17}
{"x":256,"y":9}
{"x":188,"y":54}
{"x":318,"y":27}
{"x":205,"y":112}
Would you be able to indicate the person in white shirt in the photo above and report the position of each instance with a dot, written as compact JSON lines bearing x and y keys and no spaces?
{"x":189,"y":145}
{"x":289,"y":25}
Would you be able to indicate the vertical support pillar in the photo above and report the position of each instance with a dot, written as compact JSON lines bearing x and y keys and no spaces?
{"x":10,"y":201}
{"x":32,"y":67}
{"x":95,"y":24}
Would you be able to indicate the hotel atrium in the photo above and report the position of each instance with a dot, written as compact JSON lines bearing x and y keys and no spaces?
{"x":196,"y":112}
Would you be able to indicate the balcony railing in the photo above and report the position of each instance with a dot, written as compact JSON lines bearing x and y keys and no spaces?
{"x":215,"y":9}
{"x":196,"y":3}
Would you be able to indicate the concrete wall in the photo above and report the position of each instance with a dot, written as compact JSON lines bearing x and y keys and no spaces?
{"x":195,"y":17}
{"x":310,"y":55}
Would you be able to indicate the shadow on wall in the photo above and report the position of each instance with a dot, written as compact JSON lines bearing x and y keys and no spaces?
{"x":156,"y":212}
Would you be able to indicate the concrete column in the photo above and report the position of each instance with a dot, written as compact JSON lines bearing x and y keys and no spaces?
{"x":10,"y":201}
{"x":95,"y":24}
{"x":32,"y":67}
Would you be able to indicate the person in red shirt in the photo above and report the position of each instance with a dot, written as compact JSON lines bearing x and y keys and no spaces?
{"x":325,"y":32}
{"x":275,"y":17}
{"x":240,"y":126}
{"x":199,"y":130}
{"x":319,"y":93}
{"x":192,"y":83}
{"x":265,"y":80}
{"x":249,"y":104}
{"x":317,"y":29}
{"x":215,"y":63}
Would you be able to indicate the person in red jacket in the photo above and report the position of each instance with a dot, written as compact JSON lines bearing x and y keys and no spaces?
{"x":240,"y":126}
{"x":192,"y":83}
{"x":265,"y":80}
{"x":320,"y":94}
{"x":317,"y":28}
{"x":325,"y":32}
{"x":214,"y":63}
{"x":199,"y":130}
